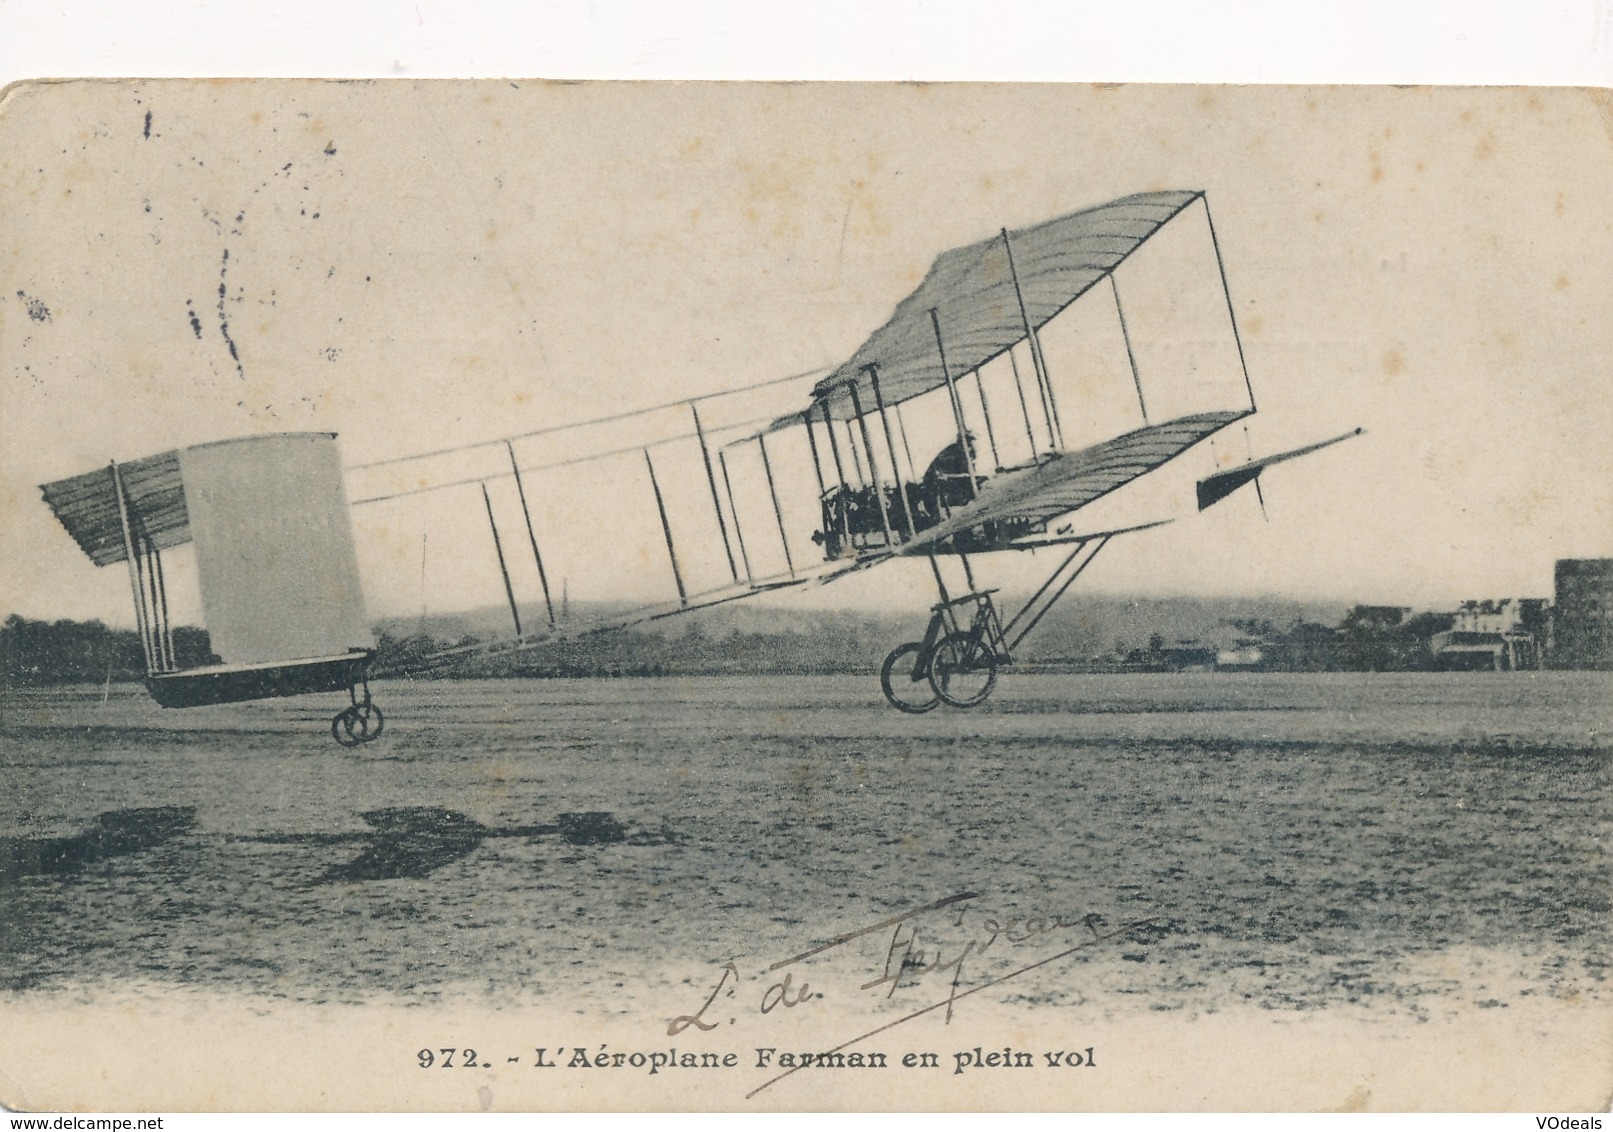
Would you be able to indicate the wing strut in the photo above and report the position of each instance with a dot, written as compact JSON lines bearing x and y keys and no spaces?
{"x":873,"y":467}
{"x":705,"y":454}
{"x":543,"y":576}
{"x":1049,"y":405}
{"x":666,"y":529}
{"x":890,"y":445}
{"x":784,"y":539}
{"x":957,"y":404}
{"x":739,"y":532}
{"x":498,"y":545}
{"x":840,"y":474}
{"x":1136,"y":378}
{"x":134,"y":569}
{"x":1024,"y":409}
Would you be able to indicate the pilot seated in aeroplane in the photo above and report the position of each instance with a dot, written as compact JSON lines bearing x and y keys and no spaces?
{"x":945,"y":485}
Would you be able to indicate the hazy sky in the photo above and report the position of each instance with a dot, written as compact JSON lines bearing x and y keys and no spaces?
{"x":414,"y":265}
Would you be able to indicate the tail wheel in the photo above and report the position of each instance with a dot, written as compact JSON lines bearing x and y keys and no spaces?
{"x":905,"y":679}
{"x":963,"y":670}
{"x":357,"y":724}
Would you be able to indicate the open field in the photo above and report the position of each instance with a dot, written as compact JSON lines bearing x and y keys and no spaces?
{"x":1404,"y":847}
{"x":1300,"y":838}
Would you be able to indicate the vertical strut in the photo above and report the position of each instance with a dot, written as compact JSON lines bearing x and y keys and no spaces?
{"x":873,"y":468}
{"x":1024,"y":409}
{"x":957,"y":402}
{"x":705,"y":454}
{"x":158,"y":629}
{"x":543,"y":576}
{"x":162,"y":593}
{"x":817,"y":471}
{"x":856,"y":460}
{"x":890,"y":445}
{"x":985,"y":411}
{"x":1049,"y":403}
{"x":901,"y":428}
{"x":739,"y":532}
{"x":1231,"y":315}
{"x":778,"y":513}
{"x":498,"y":545}
{"x":134,"y":565}
{"x":666,"y":529}
{"x":840,"y":474}
{"x":940,"y":583}
{"x":1136,"y":378}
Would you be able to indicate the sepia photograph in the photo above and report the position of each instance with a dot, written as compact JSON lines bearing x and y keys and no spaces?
{"x":804,"y":597}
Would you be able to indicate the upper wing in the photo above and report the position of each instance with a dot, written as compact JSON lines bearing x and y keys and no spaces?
{"x":973,"y":292}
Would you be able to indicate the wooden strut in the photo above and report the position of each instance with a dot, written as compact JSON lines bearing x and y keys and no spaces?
{"x":840,"y":474}
{"x":817,"y":468}
{"x":543,"y":576}
{"x":153,"y":584}
{"x":716,"y":505}
{"x":1049,"y":403}
{"x":498,"y":545}
{"x":957,"y":403}
{"x":778,"y":513}
{"x":890,"y":445}
{"x":1053,"y":600}
{"x":1125,"y":335}
{"x":985,"y":411}
{"x":1231,"y":315}
{"x":134,"y":568}
{"x":1024,"y":409}
{"x":739,"y":531}
{"x":873,"y":468}
{"x":666,"y":529}
{"x":162,"y":593}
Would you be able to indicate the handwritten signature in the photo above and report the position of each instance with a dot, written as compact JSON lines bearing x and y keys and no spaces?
{"x":912,"y":953}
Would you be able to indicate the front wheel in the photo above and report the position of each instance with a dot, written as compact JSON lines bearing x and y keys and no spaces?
{"x":905,"y":680}
{"x":963,"y":670}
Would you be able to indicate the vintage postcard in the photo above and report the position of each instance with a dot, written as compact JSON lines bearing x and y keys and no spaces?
{"x":574,"y":596}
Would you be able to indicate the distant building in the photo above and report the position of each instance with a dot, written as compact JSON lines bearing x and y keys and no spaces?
{"x":1582,"y":636}
{"x":1500,"y":635}
{"x":1246,"y":654}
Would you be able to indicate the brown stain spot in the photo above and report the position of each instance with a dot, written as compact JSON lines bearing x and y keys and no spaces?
{"x":257,"y":117}
{"x":1421,"y":168}
{"x":1375,"y":161}
{"x":692,"y":148}
{"x":1393,"y":364}
{"x":1254,"y":324}
{"x":490,"y":235}
{"x":1486,"y":148}
{"x":1356,"y":1101}
{"x":1317,"y":217}
{"x":1560,"y":206}
{"x":1467,"y":117}
{"x":1207,"y":100}
{"x":1562,"y":284}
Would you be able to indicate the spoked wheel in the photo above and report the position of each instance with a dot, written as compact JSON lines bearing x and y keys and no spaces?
{"x":357,"y":724}
{"x":963,"y":670}
{"x":906,"y":680}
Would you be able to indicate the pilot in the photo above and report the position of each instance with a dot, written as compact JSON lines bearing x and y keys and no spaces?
{"x":946,"y":480}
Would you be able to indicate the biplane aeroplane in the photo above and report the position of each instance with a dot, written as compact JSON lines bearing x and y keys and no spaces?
{"x":1016,"y":362}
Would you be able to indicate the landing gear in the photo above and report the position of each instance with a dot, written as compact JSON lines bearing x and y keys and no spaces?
{"x":956,"y":663}
{"x":360,"y":722}
{"x":905,"y":679}
{"x":963,"y":669}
